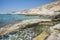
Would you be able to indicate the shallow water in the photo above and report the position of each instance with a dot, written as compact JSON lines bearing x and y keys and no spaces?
{"x":22,"y":34}
{"x":6,"y":19}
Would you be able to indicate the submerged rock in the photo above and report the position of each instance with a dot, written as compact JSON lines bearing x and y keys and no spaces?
{"x":22,"y":34}
{"x":20,"y":25}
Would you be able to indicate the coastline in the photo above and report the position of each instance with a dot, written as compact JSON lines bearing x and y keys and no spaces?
{"x":50,"y":9}
{"x":20,"y":25}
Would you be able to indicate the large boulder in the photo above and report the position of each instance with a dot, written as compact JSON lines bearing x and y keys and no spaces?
{"x":54,"y":36}
{"x":56,"y":26}
{"x":56,"y":18}
{"x":55,"y":33}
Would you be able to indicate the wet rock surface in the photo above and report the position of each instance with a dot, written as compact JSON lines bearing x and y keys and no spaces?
{"x":29,"y":34}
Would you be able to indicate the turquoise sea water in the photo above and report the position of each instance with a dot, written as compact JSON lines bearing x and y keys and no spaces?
{"x":6,"y":19}
{"x":21,"y":34}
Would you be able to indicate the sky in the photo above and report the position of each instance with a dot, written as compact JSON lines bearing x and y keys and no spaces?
{"x":18,"y":5}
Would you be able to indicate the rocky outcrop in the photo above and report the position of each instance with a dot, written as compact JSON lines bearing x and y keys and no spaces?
{"x":56,"y":26}
{"x":52,"y":34}
{"x":20,"y":25}
{"x":56,"y":18}
{"x":55,"y":33}
{"x":49,"y":9}
{"x":42,"y":36}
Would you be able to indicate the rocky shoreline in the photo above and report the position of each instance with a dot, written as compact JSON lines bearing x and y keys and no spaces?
{"x":50,"y":10}
{"x":37,"y":29}
{"x":36,"y":26}
{"x":20,"y":25}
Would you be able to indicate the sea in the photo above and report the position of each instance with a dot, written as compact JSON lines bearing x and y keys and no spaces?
{"x":21,"y":34}
{"x":8,"y":19}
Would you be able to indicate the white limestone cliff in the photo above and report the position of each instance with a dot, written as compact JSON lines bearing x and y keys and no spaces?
{"x":49,"y":9}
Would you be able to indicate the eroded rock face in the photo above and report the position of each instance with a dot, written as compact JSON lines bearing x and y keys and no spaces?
{"x":56,"y":18}
{"x":45,"y":10}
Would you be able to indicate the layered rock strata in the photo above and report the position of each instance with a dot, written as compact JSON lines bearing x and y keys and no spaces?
{"x":47,"y":10}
